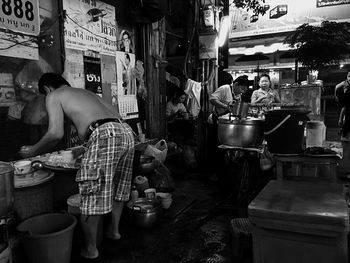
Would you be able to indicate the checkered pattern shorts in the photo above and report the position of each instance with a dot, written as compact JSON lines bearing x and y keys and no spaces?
{"x":106,"y":168}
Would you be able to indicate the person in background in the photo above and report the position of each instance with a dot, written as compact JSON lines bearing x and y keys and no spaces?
{"x":176,"y":112}
{"x":265,"y":94}
{"x":175,"y":107}
{"x":227,"y":94}
{"x":104,"y":178}
{"x":342,"y":95}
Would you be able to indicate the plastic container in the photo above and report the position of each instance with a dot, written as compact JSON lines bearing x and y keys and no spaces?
{"x":48,"y":238}
{"x":284,"y":130}
{"x":302,"y":222}
{"x":6,"y":255}
{"x":315,"y":133}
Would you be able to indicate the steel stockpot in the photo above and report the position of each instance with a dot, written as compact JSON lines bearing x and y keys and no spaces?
{"x":247,"y":132}
{"x":145,"y":212}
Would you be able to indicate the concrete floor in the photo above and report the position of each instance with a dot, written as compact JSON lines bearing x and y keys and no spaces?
{"x":200,"y":233}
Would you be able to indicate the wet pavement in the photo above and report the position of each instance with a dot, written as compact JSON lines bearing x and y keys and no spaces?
{"x":196,"y":228}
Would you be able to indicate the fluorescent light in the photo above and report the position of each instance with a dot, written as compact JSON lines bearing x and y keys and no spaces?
{"x":224,"y":28}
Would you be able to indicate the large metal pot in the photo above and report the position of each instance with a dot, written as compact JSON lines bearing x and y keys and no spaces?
{"x":145,"y":212}
{"x":7,"y":196}
{"x":237,"y":132}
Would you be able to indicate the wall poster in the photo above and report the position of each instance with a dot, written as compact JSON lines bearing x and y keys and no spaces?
{"x":21,"y":21}
{"x":92,"y":72}
{"x":90,"y":25}
{"x":126,"y":85}
{"x":285,"y":16}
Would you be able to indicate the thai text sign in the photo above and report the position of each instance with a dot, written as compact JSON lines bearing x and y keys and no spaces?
{"x":286,"y":16}
{"x":20,"y":16}
{"x":90,"y":25}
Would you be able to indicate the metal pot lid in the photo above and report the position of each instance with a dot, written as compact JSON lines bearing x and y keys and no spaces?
{"x":5,"y":167}
{"x":244,"y":121}
{"x":145,"y":204}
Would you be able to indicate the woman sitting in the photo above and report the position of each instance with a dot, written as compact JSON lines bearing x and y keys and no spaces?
{"x":265,"y":94}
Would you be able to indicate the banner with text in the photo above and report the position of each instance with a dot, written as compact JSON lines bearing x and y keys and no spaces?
{"x":285,"y":16}
{"x":90,"y":25}
{"x":20,"y":16}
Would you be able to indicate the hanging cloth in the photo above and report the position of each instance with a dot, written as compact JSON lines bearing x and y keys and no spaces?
{"x":193,"y":90}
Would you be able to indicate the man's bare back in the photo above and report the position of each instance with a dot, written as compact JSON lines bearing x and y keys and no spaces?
{"x":81,"y":106}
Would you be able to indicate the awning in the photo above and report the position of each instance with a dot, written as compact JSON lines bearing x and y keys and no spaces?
{"x":247,"y":68}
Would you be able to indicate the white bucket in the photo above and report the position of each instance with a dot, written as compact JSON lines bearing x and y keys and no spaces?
{"x":315,"y":133}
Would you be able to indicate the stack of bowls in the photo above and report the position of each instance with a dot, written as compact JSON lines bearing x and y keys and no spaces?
{"x":166,"y":199}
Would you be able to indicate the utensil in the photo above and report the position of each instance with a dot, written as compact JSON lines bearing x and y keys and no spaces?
{"x":239,"y":109}
{"x":237,"y":132}
{"x":144,"y":212}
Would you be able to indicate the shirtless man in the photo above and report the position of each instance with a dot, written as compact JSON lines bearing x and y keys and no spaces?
{"x":105,"y":175}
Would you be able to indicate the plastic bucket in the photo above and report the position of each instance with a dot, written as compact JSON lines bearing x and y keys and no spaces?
{"x":48,"y":238}
{"x":284,"y":130}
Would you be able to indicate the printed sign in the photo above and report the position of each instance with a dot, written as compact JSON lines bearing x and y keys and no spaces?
{"x":323,"y":3}
{"x":92,"y":72}
{"x":90,"y":25}
{"x":286,"y":16}
{"x":126,"y":86}
{"x":20,"y":16}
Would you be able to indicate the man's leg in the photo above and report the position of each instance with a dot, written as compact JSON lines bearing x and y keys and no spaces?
{"x":113,"y":229}
{"x":89,"y":225}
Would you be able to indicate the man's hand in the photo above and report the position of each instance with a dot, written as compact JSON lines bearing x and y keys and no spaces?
{"x":27,"y":151}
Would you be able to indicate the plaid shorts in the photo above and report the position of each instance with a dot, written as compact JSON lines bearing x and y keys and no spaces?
{"x":106,"y":168}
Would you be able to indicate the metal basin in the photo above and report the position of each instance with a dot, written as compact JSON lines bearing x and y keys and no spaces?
{"x":247,"y":133}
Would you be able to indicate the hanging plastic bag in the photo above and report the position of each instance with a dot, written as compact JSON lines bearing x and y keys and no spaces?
{"x":266,"y":159}
{"x":158,"y":151}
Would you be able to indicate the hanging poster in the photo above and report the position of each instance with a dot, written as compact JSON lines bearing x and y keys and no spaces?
{"x":92,"y":72}
{"x":90,"y":25}
{"x":20,"y":16}
{"x":125,"y":41}
{"x":18,"y":46}
{"x":286,"y":16}
{"x":126,"y":85}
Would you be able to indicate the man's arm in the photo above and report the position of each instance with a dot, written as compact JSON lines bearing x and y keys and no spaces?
{"x":55,"y":130}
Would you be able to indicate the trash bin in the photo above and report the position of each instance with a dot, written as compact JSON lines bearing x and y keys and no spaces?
{"x":48,"y":238}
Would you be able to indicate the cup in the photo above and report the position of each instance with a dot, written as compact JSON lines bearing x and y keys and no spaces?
{"x":150,"y":193}
{"x":142,"y":137}
{"x":67,"y":156}
{"x":22,"y":167}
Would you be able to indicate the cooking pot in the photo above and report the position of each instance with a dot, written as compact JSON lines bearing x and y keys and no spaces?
{"x":239,"y":109}
{"x":7,"y":197}
{"x":145,"y":212}
{"x":247,"y":132}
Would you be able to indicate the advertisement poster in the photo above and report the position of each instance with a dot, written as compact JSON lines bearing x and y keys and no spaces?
{"x":20,"y":16}
{"x":92,"y":72}
{"x":90,"y":25}
{"x":126,"y":85}
{"x":125,"y":41}
{"x":285,"y":16}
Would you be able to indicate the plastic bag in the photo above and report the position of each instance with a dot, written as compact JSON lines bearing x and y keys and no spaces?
{"x":266,"y":159}
{"x":161,"y":179}
{"x":158,"y":151}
